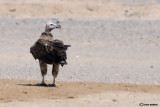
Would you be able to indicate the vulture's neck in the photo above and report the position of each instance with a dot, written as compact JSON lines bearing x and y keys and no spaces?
{"x":47,"y":33}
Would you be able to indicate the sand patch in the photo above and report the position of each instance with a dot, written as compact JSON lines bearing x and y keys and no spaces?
{"x":83,"y":8}
{"x":27,"y":91}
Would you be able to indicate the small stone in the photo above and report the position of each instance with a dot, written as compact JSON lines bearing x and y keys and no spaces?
{"x":151,"y":67}
{"x":114,"y":100}
{"x":12,"y":10}
{"x":77,"y":56}
{"x":116,"y":74}
{"x":85,"y":84}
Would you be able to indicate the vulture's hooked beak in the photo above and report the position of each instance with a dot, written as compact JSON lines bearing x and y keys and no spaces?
{"x":58,"y":26}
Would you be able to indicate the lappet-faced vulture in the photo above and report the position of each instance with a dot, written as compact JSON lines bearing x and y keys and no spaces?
{"x":49,"y":51}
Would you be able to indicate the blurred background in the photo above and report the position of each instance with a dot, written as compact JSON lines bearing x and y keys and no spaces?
{"x":113,"y":41}
{"x":110,"y":9}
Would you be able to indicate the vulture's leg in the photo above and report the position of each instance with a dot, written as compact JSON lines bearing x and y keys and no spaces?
{"x":43,"y":67}
{"x":55,"y":71}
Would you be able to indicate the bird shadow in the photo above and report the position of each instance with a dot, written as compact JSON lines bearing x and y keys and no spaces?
{"x":38,"y":85}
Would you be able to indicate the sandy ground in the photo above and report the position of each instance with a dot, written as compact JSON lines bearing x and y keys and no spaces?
{"x":26,"y":93}
{"x":114,"y":9}
{"x":113,"y":61}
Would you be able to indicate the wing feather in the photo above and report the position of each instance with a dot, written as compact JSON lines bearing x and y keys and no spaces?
{"x":50,"y":51}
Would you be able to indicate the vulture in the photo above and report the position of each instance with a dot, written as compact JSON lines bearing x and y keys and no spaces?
{"x":49,"y":51}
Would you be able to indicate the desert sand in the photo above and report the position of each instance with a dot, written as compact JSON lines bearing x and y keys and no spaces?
{"x":113,"y":61}
{"x":114,"y":9}
{"x":27,"y":93}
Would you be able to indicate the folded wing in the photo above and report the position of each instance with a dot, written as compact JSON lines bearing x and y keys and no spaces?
{"x":50,"y":51}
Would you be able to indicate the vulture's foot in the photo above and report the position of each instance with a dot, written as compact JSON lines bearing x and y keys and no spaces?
{"x":52,"y":85}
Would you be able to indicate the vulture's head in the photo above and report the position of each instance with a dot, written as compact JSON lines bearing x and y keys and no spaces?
{"x":50,"y":26}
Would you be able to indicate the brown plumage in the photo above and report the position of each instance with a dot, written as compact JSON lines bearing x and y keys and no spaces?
{"x":49,"y":51}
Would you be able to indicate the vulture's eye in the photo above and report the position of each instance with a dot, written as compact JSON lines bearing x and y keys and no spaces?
{"x":51,"y":24}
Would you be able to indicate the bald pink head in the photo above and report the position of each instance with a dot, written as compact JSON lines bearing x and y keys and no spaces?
{"x":50,"y":26}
